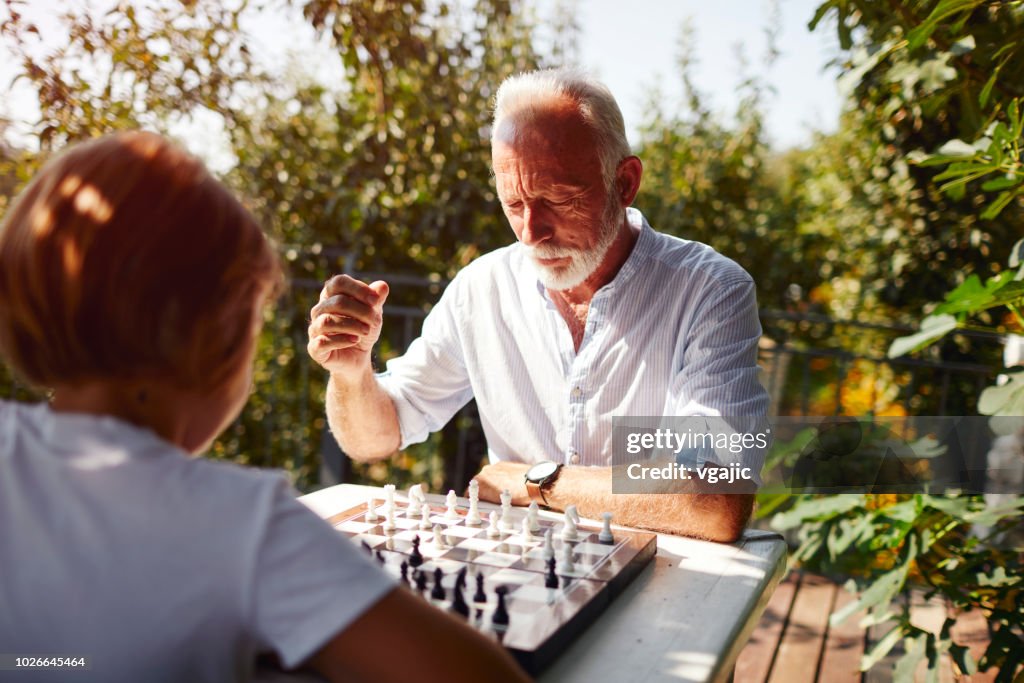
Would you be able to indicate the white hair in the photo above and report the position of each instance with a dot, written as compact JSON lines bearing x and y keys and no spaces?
{"x":527,"y":92}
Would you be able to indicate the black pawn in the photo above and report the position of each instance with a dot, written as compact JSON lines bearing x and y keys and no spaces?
{"x":551,"y":580}
{"x":459,"y":605}
{"x":404,"y":569}
{"x":421,"y":581}
{"x":460,"y":578}
{"x":480,"y":596}
{"x":416,"y":557}
{"x":438,"y":592}
{"x":500,"y":616}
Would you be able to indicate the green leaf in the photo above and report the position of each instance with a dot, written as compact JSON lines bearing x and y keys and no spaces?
{"x":971,"y":295}
{"x":906,"y":666}
{"x":1000,"y":203}
{"x":817,"y":508}
{"x":881,"y":648}
{"x":1001,"y":183}
{"x":1004,"y":399}
{"x":932,"y":328}
{"x":946,"y":8}
{"x":986,"y":91}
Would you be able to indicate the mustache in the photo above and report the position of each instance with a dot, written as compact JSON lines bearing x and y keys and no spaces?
{"x":547,"y":251}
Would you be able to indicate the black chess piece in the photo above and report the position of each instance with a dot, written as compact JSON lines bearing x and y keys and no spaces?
{"x":421,"y":581}
{"x":366,"y":547}
{"x":380,"y":557}
{"x":480,"y":596}
{"x":404,"y":569}
{"x":551,"y":580}
{"x":438,"y":591}
{"x":416,"y":557}
{"x":459,"y":605}
{"x":500,"y":616}
{"x":460,"y":578}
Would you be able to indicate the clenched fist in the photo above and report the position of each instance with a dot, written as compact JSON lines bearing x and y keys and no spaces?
{"x":345,"y":325}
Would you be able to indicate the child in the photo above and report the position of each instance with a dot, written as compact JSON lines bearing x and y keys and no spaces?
{"x":131,"y":285}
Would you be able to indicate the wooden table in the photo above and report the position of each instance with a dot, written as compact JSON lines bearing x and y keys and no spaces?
{"x":684,"y":618}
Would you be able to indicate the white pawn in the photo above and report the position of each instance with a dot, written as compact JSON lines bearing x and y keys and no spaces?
{"x":452,"y":501}
{"x":569,"y":530}
{"x":527,"y":534}
{"x":567,"y":565}
{"x":606,"y":531}
{"x":549,"y":545}
{"x":389,"y":523}
{"x":492,"y":530}
{"x":389,"y":497}
{"x":424,"y":516}
{"x":438,"y":538}
{"x":473,"y":516}
{"x":531,"y":516}
{"x":371,"y":510}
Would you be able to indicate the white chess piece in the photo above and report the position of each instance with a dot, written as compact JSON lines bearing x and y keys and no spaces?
{"x":438,"y":538}
{"x":452,"y":501}
{"x":570,"y":510}
{"x":531,"y":516}
{"x":606,"y":531}
{"x":549,"y":545}
{"x":474,"y":490}
{"x":389,"y":523}
{"x":567,"y":565}
{"x":527,"y":534}
{"x":506,"y":510}
{"x":416,"y":498}
{"x":371,"y":510}
{"x":389,"y":497}
{"x":424,"y":516}
{"x":492,"y":530}
{"x":473,"y":516}
{"x":569,"y":530}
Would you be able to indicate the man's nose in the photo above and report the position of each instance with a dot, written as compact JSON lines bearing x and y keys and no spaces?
{"x":536,"y":226}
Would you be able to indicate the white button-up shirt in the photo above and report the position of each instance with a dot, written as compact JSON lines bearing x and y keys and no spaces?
{"x":674,"y":333}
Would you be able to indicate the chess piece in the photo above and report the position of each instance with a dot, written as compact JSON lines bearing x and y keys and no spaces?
{"x":567,"y":564}
{"x":551,"y":579}
{"x":480,"y":596}
{"x":389,"y":522}
{"x":416,"y":498}
{"x":389,"y":498}
{"x":531,"y":516}
{"x":569,"y":532}
{"x":492,"y":529}
{"x":500,"y":616}
{"x":506,"y":510}
{"x":371,"y":510}
{"x":425,"y":516}
{"x":459,"y":605}
{"x":460,"y":578}
{"x":570,"y":510}
{"x":380,"y":557}
{"x":473,"y":516}
{"x":438,"y":538}
{"x":452,"y":501}
{"x":438,"y":592}
{"x":403,"y":570}
{"x":421,"y":581}
{"x":527,"y":535}
{"x":366,"y":547}
{"x":415,"y":557}
{"x":549,"y":546}
{"x":606,"y":531}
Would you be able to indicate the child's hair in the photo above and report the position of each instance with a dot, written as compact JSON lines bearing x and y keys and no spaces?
{"x":125,"y":258}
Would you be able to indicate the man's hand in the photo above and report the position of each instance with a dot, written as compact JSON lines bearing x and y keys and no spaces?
{"x":497,"y":477}
{"x":345,"y":326}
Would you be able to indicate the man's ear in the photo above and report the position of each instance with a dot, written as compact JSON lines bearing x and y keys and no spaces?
{"x":627,"y":179}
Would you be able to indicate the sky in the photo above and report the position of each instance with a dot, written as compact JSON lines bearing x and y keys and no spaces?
{"x":632,"y":45}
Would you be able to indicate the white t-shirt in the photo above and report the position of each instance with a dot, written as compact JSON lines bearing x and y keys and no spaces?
{"x":157,"y":566}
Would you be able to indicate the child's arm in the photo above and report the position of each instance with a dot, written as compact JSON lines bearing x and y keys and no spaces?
{"x":402,"y":638}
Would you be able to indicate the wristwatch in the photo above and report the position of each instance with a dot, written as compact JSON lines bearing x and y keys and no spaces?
{"x":539,"y":478}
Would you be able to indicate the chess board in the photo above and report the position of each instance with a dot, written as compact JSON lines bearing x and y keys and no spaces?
{"x":542,"y":621}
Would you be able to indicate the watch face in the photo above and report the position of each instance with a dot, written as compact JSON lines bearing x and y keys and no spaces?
{"x":541,"y":471}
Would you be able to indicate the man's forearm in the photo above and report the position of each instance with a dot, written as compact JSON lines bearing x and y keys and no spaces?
{"x":362,"y":418}
{"x":715,"y":517}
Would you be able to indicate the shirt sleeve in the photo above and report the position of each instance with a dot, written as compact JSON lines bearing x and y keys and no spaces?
{"x":719,"y":374}
{"x":310,"y":582}
{"x":430,"y":383}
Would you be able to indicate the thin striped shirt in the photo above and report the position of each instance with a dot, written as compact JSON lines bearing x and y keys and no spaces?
{"x":674,"y":333}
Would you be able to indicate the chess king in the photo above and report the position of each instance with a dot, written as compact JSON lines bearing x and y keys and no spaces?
{"x":590,"y":314}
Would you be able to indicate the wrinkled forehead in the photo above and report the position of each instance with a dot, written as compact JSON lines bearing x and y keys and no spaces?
{"x":553,"y":125}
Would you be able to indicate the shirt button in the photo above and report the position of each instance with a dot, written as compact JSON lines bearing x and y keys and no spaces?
{"x":577,"y":392}
{"x":574,"y":458}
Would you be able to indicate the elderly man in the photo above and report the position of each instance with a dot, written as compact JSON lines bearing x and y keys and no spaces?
{"x":590,"y":314}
